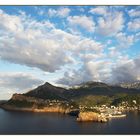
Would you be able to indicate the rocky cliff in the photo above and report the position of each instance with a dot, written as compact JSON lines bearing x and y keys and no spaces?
{"x":21,"y":102}
{"x":91,"y":116}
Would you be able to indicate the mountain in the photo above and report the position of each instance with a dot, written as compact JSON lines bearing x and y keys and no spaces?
{"x":99,"y":88}
{"x":48,"y":91}
{"x":85,"y":94}
{"x":134,"y":85}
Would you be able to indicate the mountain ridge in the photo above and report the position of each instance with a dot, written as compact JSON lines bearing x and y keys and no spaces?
{"x":134,"y":85}
{"x":49,"y":91}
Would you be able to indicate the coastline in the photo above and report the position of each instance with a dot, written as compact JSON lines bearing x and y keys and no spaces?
{"x":45,"y":109}
{"x":100,"y":114}
{"x":81,"y":116}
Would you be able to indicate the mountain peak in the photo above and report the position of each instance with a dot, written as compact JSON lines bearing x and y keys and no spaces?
{"x":47,"y":91}
{"x":47,"y":84}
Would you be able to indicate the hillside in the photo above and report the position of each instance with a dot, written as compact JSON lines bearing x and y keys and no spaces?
{"x":48,"y":91}
{"x":86,"y":94}
{"x":98,"y":88}
{"x":134,"y":85}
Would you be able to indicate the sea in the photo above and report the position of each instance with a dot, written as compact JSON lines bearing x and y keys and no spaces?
{"x":30,"y":123}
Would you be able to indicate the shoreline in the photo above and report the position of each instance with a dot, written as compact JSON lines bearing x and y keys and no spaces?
{"x":81,"y":116}
{"x":44,"y":110}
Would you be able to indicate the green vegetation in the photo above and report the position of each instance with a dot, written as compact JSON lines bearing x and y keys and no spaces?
{"x":126,"y":98}
{"x":22,"y":103}
{"x":86,"y":96}
{"x":92,"y":100}
{"x":85,"y":103}
{"x":40,"y":106}
{"x":89,"y":110}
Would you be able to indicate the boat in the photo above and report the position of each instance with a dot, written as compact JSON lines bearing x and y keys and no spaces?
{"x":117,"y":116}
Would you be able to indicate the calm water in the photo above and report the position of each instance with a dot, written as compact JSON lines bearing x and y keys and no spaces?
{"x":52,"y":123}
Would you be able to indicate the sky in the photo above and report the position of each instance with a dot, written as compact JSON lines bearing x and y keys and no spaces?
{"x":67,"y":45}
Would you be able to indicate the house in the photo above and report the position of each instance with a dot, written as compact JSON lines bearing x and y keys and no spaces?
{"x":113,"y":107}
{"x":134,"y":101}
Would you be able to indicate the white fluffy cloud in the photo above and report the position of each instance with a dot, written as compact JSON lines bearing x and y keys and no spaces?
{"x":125,"y":41}
{"x":39,"y":44}
{"x":134,"y":13}
{"x":110,"y":24}
{"x":61,"y":12}
{"x":134,"y":25}
{"x":28,"y":41}
{"x":90,"y":71}
{"x":110,"y":20}
{"x":82,"y":21}
{"x":101,"y":10}
{"x":124,"y":70}
{"x":113,"y":52}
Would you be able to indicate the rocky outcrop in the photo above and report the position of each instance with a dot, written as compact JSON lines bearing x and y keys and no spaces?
{"x":91,"y":116}
{"x":52,"y":109}
{"x":20,"y":102}
{"x":22,"y":97}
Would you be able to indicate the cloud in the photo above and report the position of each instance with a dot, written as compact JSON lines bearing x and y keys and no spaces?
{"x":81,"y":9}
{"x":126,"y":72}
{"x":52,"y":12}
{"x":100,"y":10}
{"x":30,"y":43}
{"x":110,"y":24}
{"x":87,"y":45}
{"x":36,"y":43}
{"x":114,"y":52}
{"x":90,"y":71}
{"x":125,"y":41}
{"x":134,"y":25}
{"x":92,"y":56}
{"x":17,"y":82}
{"x":110,"y":20}
{"x":134,"y":13}
{"x":40,"y":44}
{"x":61,"y":12}
{"x":83,"y":21}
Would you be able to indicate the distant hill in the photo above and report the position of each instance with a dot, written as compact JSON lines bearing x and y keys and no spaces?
{"x":134,"y":85}
{"x":99,"y":88}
